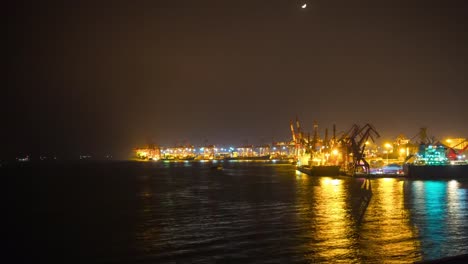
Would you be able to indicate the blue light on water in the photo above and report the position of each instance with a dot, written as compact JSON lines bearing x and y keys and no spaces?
{"x":438,"y":215}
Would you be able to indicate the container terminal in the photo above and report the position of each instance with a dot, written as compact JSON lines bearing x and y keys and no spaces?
{"x":352,"y":153}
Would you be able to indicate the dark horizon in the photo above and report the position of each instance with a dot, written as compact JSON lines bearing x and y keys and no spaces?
{"x":106,"y":77}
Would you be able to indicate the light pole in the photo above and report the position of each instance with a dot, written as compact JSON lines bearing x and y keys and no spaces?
{"x":388,"y":146}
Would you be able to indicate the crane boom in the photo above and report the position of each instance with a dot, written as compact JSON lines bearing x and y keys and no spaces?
{"x":292,"y":132}
{"x":452,"y":153}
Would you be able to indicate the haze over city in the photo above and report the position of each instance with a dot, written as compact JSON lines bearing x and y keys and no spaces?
{"x":109,"y":76}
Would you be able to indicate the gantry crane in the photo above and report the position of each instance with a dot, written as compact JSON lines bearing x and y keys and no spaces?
{"x":354,"y":142}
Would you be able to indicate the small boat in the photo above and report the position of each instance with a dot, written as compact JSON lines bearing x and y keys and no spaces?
{"x":219,"y":167}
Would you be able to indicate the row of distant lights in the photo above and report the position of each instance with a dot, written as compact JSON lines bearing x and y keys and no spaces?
{"x":27,"y":158}
{"x":215,"y":149}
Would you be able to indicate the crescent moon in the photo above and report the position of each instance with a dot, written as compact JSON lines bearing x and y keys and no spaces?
{"x":304,"y":6}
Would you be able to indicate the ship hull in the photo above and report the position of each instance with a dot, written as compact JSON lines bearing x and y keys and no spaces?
{"x":320,"y":170}
{"x":436,"y":172}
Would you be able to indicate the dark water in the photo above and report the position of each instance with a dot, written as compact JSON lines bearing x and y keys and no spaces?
{"x":124,"y":212}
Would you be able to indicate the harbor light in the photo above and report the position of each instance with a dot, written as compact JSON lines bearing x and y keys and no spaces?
{"x":388,"y":146}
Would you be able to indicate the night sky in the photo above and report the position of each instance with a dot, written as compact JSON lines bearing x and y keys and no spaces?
{"x":105,"y":77}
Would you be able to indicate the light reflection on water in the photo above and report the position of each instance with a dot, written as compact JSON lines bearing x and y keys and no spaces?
{"x":438,"y":210}
{"x":273,"y":213}
{"x":386,"y":231}
{"x":327,"y":220}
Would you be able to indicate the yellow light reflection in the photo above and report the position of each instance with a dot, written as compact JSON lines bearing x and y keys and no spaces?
{"x":455,"y":220}
{"x":324,"y":209}
{"x":386,"y":226}
{"x":334,"y":220}
{"x":146,"y":233}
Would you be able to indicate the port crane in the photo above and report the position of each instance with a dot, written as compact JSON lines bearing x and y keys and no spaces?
{"x":453,"y":154}
{"x":354,"y":142}
{"x":300,"y":142}
{"x":423,"y":137}
{"x":292,"y":132}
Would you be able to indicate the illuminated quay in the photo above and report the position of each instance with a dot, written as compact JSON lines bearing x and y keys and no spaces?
{"x":352,"y":153}
{"x":276,"y":151}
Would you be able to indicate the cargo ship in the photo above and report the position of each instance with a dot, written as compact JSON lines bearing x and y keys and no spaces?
{"x":436,"y":161}
{"x":315,"y":165}
{"x":436,"y":171}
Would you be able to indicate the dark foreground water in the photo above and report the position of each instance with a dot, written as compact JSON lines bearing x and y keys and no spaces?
{"x":127,"y":212}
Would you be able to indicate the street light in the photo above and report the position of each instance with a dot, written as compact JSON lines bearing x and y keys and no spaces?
{"x":388,"y":146}
{"x":402,"y":153}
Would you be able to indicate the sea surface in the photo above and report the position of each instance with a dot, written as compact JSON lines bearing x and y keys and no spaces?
{"x":246,"y":212}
